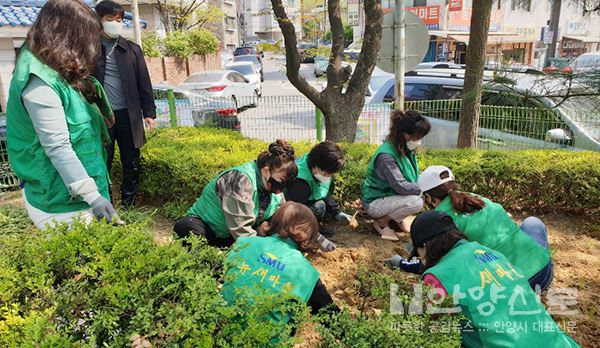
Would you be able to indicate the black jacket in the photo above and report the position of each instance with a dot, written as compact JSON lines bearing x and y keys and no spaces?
{"x":136,"y":84}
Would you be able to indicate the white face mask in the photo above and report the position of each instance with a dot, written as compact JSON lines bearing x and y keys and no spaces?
{"x":411,"y":145}
{"x":322,"y":178}
{"x":112,"y":29}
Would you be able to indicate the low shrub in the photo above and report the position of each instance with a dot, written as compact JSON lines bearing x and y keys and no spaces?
{"x":110,"y":286}
{"x":179,"y":162}
{"x":152,"y":44}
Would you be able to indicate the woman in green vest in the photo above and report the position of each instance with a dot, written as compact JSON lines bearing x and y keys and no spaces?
{"x":390,"y":191}
{"x":487,"y":223}
{"x":239,"y":200}
{"x":492,"y":293}
{"x":313,"y":186}
{"x":56,"y":116}
{"x":257,"y":266}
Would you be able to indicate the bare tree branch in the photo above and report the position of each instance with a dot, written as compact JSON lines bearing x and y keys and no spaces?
{"x":369,"y":49}
{"x":337,"y":45}
{"x":292,"y":56}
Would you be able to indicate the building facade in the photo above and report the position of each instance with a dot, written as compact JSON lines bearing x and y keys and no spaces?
{"x":259,"y":23}
{"x":518,"y":29}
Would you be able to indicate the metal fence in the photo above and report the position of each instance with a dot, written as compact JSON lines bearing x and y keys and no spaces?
{"x":296,"y":118}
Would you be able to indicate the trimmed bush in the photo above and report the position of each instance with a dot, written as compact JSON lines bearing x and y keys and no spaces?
{"x":179,"y":162}
{"x":110,"y":286}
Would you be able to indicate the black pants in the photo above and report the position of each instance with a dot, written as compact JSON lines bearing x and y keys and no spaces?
{"x":192,"y":225}
{"x":130,"y":156}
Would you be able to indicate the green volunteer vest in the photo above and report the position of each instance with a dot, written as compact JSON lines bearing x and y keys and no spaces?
{"x":318,"y":190}
{"x":44,"y":188}
{"x":482,"y":279}
{"x":208,"y":206}
{"x":374,"y":187}
{"x":270,"y":264}
{"x":492,"y":227}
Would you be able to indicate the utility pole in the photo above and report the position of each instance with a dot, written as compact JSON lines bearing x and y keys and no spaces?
{"x":137,"y":31}
{"x":399,"y":53}
{"x":554,"y":24}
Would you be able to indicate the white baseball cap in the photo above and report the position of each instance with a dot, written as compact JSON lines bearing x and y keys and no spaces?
{"x":432,"y":176}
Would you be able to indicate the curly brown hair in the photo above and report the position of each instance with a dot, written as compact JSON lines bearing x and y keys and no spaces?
{"x":279,"y":155}
{"x":66,"y":37}
{"x":296,"y":221}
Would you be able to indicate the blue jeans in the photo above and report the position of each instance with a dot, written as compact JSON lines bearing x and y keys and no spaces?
{"x":536,"y":229}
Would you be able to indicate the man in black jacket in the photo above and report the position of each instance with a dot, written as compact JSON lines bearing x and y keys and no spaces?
{"x":122,"y":71}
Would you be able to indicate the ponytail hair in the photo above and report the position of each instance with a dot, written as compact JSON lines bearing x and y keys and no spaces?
{"x":462,"y":202}
{"x":279,"y":155}
{"x":411,"y":122}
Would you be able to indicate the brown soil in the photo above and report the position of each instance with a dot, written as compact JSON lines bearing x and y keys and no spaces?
{"x":574,"y":241}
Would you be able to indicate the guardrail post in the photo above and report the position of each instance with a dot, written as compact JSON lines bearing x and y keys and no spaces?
{"x":319,"y":124}
{"x":172,"y":110}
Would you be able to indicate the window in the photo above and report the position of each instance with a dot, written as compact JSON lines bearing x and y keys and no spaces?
{"x":236,"y":77}
{"x":521,"y":5}
{"x":450,"y":92}
{"x":421,"y":91}
{"x":420,"y":3}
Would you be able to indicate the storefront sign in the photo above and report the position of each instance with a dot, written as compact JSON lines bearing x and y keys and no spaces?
{"x":429,"y":14}
{"x":461,"y":20}
{"x":353,"y":13}
{"x":455,"y":5}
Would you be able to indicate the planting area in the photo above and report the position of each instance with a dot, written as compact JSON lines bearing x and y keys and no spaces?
{"x":135,"y":285}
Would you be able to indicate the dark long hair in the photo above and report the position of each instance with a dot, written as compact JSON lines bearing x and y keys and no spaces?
{"x":66,"y":37}
{"x":462,"y":202}
{"x":296,"y":221}
{"x":411,"y":123}
{"x":438,"y":246}
{"x":279,"y":155}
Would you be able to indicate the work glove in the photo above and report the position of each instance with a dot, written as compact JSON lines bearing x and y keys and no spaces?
{"x":344,"y":218}
{"x":102,"y":208}
{"x":410,"y":266}
{"x":325,"y":244}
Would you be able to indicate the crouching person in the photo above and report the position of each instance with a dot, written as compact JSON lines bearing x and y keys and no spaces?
{"x":313,"y":186}
{"x":476,"y":275}
{"x":276,"y":263}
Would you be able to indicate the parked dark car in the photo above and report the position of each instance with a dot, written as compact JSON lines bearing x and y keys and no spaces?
{"x":248,"y":50}
{"x":307,"y":51}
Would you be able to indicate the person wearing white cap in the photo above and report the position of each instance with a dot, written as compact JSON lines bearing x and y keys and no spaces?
{"x":390,"y":191}
{"x":487,"y":223}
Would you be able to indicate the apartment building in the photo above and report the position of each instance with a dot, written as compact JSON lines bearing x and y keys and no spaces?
{"x":259,"y":23}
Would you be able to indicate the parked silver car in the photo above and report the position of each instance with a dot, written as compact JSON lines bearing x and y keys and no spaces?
{"x":575,"y":124}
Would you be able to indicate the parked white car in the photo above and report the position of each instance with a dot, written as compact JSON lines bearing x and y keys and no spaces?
{"x":249,"y":71}
{"x":587,"y":62}
{"x":222,"y":84}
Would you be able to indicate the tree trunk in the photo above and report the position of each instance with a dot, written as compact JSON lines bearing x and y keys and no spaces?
{"x":341,"y":118}
{"x":469,"y":112}
{"x":554,"y":22}
{"x":341,"y":108}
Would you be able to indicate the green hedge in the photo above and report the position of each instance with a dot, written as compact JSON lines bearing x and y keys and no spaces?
{"x":179,"y":162}
{"x":104,"y":286}
{"x":112,"y":286}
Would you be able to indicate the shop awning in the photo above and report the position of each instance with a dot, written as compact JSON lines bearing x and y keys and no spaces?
{"x":584,"y":39}
{"x":494,"y":39}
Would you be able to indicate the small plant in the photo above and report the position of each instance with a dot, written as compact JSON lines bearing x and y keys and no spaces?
{"x":152,"y":44}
